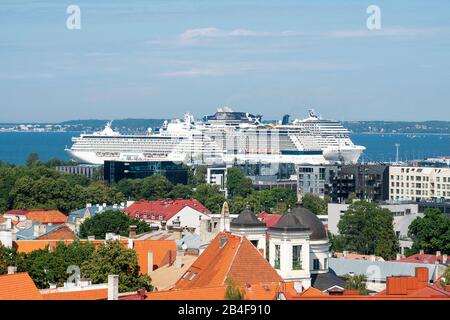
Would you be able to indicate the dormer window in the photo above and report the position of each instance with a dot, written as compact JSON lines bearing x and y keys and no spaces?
{"x":192,"y":277}
{"x":185,"y":275}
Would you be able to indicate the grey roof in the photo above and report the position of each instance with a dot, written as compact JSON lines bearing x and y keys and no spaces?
{"x":289,"y":222}
{"x":247,"y":219}
{"x":28,"y":234}
{"x":192,"y":241}
{"x":378,"y":270}
{"x":310,"y":220}
{"x":326,"y":281}
{"x":93,"y":210}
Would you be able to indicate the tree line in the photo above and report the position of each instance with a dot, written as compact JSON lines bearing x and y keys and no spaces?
{"x":47,"y":267}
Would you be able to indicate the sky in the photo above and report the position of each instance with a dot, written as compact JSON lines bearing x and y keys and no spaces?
{"x":162,"y":58}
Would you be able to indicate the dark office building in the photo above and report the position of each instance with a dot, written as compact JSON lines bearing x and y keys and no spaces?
{"x":115,"y":171}
{"x":367,"y":181}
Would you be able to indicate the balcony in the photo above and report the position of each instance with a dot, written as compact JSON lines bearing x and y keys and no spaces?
{"x":296,"y":265}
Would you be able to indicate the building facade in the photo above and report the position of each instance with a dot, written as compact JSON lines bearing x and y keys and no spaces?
{"x":419,"y":183}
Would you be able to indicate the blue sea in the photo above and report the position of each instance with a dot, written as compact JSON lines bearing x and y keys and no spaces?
{"x":15,"y":146}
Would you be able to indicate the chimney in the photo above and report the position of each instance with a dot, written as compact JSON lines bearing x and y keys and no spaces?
{"x":298,"y":287}
{"x":91,"y":238}
{"x":12,"y":270}
{"x":444,"y":258}
{"x":398,"y":257}
{"x":372,"y":257}
{"x":132,"y":231}
{"x":149,"y":262}
{"x":438,"y":254}
{"x":113,"y":287}
{"x":178,"y":260}
{"x":344,"y":253}
{"x":421,"y":251}
{"x":39,"y":230}
{"x":88,"y":205}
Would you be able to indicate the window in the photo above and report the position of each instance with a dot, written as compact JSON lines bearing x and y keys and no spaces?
{"x":185,"y":275}
{"x":277,"y":257}
{"x":316,"y":264}
{"x":325,"y":263}
{"x":296,"y":258}
{"x":254,"y":242}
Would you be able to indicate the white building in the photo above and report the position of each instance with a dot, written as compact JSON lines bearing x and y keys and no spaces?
{"x":419,"y":183}
{"x":403,"y":213}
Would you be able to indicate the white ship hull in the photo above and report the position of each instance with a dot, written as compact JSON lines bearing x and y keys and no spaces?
{"x":343,"y":154}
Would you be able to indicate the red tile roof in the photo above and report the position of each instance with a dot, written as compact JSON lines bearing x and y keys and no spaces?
{"x":269,"y":219}
{"x":423,"y":258}
{"x":162,"y":209}
{"x":416,"y":287}
{"x":164,"y":252}
{"x":18,"y":286}
{"x":46,"y":216}
{"x":251,"y":292}
{"x":16,"y":212}
{"x":92,"y":294}
{"x":237,"y":259}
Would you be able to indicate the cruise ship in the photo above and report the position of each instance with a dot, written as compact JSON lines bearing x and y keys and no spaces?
{"x":225,"y":137}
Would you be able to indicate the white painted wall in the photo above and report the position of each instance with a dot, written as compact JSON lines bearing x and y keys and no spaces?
{"x":189,"y":218}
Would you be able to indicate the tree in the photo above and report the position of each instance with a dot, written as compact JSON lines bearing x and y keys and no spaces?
{"x":210,"y":196}
{"x":233,"y":291}
{"x":156,"y":187}
{"x":199,"y":175}
{"x":351,"y":198}
{"x":181,"y":191}
{"x":368,"y":229}
{"x":32,"y":159}
{"x":8,"y":257}
{"x":430,"y":233}
{"x":131,"y":188}
{"x":237,"y":183}
{"x":44,"y":268}
{"x":110,"y":221}
{"x":356,"y":282}
{"x":446,"y":278}
{"x":113,"y":258}
{"x":336,"y":241}
{"x":315,"y":204}
{"x":237,"y":205}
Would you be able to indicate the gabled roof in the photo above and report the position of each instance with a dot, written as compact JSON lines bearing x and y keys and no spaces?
{"x":18,"y":286}
{"x":16,"y":212}
{"x":269,"y":219}
{"x":28,"y":234}
{"x":93,"y":210}
{"x":90,"y":294}
{"x":326,"y":281}
{"x":261,"y":291}
{"x":424,"y":258}
{"x":163,"y":209}
{"x":46,"y":216}
{"x":228,"y":256}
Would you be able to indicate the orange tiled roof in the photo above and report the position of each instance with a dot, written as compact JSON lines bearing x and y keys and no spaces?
{"x":164,"y":252}
{"x":252,"y":292}
{"x":18,"y":286}
{"x":92,"y":294}
{"x":46,"y":216}
{"x":27,"y":246}
{"x":237,"y":259}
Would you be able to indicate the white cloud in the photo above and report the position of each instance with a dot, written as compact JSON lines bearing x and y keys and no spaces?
{"x":211,"y":33}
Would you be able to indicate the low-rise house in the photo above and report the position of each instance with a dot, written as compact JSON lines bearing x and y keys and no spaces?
{"x":377,"y":272}
{"x":76,"y":218}
{"x":41,"y":231}
{"x":167,"y":213}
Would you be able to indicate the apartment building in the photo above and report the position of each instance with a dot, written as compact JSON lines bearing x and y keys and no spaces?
{"x":419,"y":183}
